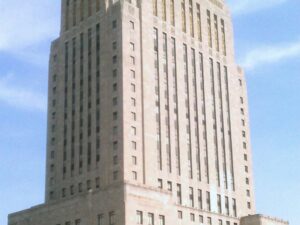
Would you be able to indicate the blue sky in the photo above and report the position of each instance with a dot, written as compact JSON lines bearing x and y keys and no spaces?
{"x":267,"y":40}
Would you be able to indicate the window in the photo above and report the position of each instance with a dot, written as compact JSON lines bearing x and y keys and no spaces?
{"x":209,"y":29}
{"x":80,"y":187}
{"x":164,"y":10}
{"x":154,"y":5}
{"x":115,"y":145}
{"x":115,"y":175}
{"x":179,"y":213}
{"x":115,"y":87}
{"x":169,"y":186}
{"x":115,"y":130}
{"x":132,"y":47}
{"x":209,"y":220}
{"x":243,"y":123}
{"x":133,"y":87}
{"x":245,"y":157}
{"x":112,"y":218}
{"x":132,"y":60}
{"x":247,"y":180}
{"x":220,"y":222}
{"x":100,"y":219}
{"x":132,"y":25}
{"x":133,"y":116}
{"x":134,"y":175}
{"x":115,"y":73}
{"x":244,"y":145}
{"x":248,"y":193}
{"x":133,"y":102}
{"x":114,"y":24}
{"x":172,"y":12}
{"x":115,"y":116}
{"x":139,"y":217}
{"x":244,"y":133}
{"x":219,"y":204}
{"x":227,"y":205}
{"x":208,"y":201}
{"x":51,"y":195}
{"x":160,"y":183}
{"x":199,"y":29}
{"x":89,"y":185}
{"x":150,"y":219}
{"x":161,"y":220}
{"x":246,"y":169}
{"x":115,"y":101}
{"x":114,"y":45}
{"x":216,"y":33}
{"x":115,"y":159}
{"x":97,"y":182}
{"x":191,"y":197}
{"x":200,"y":218}
{"x":114,"y":59}
{"x":234,"y":207}
{"x":132,"y":74}
{"x":134,"y":160}
{"x":191,"y":15}
{"x":183,"y":16}
{"x":78,"y":222}
{"x":223,"y":36}
{"x":179,"y":198}
{"x":133,"y":130}
{"x":200,"y":205}
{"x":192,"y":216}
{"x":133,"y":145}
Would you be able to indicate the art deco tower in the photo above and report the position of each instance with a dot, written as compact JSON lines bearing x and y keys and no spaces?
{"x":147,"y":117}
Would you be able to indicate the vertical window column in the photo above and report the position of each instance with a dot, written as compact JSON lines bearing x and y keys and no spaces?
{"x":157,"y":101}
{"x":183,"y":16}
{"x":66,"y":109}
{"x":199,"y":26}
{"x":188,"y":113}
{"x":89,"y":102}
{"x":191,"y":15}
{"x":73,"y":114}
{"x":175,"y":103}
{"x":223,"y":37}
{"x":81,"y":130}
{"x":98,"y":94}
{"x":203,"y":109}
{"x":215,"y":126}
{"x":167,"y":104}
{"x":209,"y":33}
{"x":232,"y":178}
{"x":222,"y":117}
{"x":196,"y":115}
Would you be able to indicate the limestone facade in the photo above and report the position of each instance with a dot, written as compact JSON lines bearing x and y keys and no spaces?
{"x":147,"y":117}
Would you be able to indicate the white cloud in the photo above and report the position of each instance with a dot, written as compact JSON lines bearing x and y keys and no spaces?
{"x":24,"y":24}
{"x":21,"y":98}
{"x":239,"y":7}
{"x":271,"y":54}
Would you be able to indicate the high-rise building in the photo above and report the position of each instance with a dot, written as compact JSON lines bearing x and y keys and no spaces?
{"x":147,"y":117}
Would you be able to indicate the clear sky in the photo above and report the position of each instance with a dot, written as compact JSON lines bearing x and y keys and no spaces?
{"x":267,"y":40}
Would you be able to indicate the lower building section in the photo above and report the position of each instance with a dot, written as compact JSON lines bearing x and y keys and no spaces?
{"x":262,"y":220}
{"x":156,"y":206}
{"x":128,"y":205}
{"x":93,"y":208}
